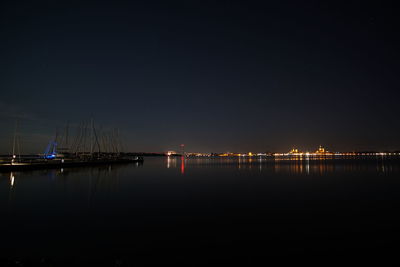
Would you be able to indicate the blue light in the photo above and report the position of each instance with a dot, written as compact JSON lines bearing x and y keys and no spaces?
{"x":51,"y":156}
{"x":51,"y":150}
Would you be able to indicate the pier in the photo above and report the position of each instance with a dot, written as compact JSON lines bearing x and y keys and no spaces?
{"x":65,"y":163}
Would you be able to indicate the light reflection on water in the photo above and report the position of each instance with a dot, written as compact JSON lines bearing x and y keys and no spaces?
{"x":294,"y":166}
{"x":12,"y":178}
{"x":102,"y":175}
{"x":229,"y":202}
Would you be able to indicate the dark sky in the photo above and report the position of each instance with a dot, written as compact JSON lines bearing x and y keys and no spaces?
{"x":216,"y":75}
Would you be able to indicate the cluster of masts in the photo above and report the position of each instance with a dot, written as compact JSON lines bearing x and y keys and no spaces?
{"x":89,"y":141}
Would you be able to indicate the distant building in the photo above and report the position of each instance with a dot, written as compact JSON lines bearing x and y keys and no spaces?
{"x":170,"y":153}
{"x":294,"y":151}
{"x":322,"y":151}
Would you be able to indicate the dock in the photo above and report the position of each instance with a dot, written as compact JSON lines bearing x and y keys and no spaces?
{"x":65,"y":163}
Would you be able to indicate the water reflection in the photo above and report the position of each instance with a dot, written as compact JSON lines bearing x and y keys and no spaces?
{"x":11,"y":188}
{"x":12,"y":177}
{"x":126,"y":207}
{"x":293,"y":166}
{"x":182,"y":165}
{"x":171,"y":162}
{"x":89,"y":182}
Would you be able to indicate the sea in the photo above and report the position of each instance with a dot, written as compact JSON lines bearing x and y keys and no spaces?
{"x":173,"y":211}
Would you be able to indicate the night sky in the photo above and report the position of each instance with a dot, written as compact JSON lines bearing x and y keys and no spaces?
{"x":215,"y":75}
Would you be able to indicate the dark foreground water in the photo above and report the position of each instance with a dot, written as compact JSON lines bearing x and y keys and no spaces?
{"x":203,"y":212}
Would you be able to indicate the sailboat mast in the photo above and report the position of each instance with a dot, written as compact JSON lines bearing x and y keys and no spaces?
{"x":15,"y":138}
{"x":66,"y":136}
{"x":91,"y":138}
{"x":14,"y":141}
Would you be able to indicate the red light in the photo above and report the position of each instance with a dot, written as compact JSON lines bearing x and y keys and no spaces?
{"x":182,"y":165}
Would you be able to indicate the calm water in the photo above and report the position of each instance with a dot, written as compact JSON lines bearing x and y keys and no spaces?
{"x":202,"y":212}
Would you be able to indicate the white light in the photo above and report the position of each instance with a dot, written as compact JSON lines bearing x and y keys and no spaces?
{"x":11,"y":179}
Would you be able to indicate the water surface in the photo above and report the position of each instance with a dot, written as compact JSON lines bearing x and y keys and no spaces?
{"x":201,"y":212}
